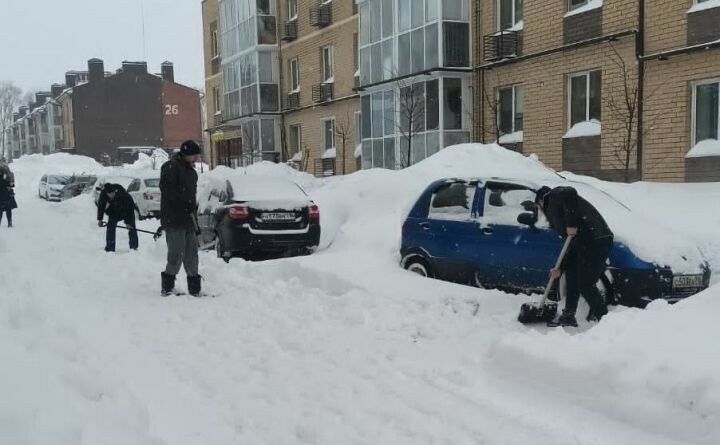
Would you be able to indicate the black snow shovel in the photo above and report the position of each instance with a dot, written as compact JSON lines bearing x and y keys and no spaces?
{"x":155,"y":234}
{"x":543,"y":311}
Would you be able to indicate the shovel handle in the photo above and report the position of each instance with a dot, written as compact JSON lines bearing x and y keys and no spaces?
{"x":559,"y":261}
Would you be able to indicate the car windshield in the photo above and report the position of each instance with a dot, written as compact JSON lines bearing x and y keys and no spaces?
{"x":58,"y":180}
{"x":152,"y":183}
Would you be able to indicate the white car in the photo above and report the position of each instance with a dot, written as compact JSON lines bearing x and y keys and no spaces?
{"x":146,"y":194}
{"x":121,"y":180}
{"x":51,"y":187}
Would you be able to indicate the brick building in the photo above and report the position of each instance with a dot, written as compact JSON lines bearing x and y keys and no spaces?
{"x":96,"y":112}
{"x":615,"y":89}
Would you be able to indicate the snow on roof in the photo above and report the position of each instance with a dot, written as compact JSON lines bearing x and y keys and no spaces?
{"x":329,"y":153}
{"x":709,"y":4}
{"x":358,"y":150}
{"x":511,"y":138}
{"x":584,"y":129}
{"x":708,"y":147}
{"x":589,"y":6}
{"x":518,"y":26}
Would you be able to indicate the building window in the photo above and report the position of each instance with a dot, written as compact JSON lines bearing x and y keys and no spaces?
{"x":510,"y":109}
{"x":584,"y":97}
{"x":295,"y":140}
{"x":706,"y":111}
{"x":575,"y":4}
{"x":328,"y":134}
{"x":510,"y":13}
{"x":327,"y":64}
{"x":452,"y":101}
{"x":295,"y":75}
{"x":216,"y":100}
{"x":358,"y":128}
{"x":214,"y":45}
{"x":292,"y":10}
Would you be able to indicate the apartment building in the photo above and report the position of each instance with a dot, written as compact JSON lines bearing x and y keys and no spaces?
{"x":223,"y":149}
{"x":615,"y":89}
{"x":415,"y":79}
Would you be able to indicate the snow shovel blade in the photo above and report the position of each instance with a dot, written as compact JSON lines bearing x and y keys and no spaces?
{"x":537,"y":313}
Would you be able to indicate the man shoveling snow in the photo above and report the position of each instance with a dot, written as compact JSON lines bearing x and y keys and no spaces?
{"x":572,"y":216}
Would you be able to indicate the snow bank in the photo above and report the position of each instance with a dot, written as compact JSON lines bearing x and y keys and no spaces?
{"x":584,"y":129}
{"x":708,"y":147}
{"x":642,"y":365}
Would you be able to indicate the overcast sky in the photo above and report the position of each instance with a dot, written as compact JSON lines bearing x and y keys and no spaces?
{"x":41,"y":39}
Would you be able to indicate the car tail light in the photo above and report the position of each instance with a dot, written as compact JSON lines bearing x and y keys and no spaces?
{"x":238,"y":212}
{"x":147,"y":196}
{"x":314,"y":212}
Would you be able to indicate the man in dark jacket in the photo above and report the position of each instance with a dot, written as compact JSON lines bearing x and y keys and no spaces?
{"x":178,"y":215}
{"x":584,"y":264}
{"x":119,"y":206}
{"x":7,"y":195}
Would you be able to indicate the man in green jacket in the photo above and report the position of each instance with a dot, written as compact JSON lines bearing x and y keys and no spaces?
{"x":178,"y":216}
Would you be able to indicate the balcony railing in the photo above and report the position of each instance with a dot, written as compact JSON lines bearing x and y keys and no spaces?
{"x":501,"y":45}
{"x":289,"y":31}
{"x":321,"y":16}
{"x":292,"y":101}
{"x":323,"y":92}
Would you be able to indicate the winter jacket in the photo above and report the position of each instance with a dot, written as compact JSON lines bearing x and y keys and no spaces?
{"x":564,"y":208}
{"x":178,"y":188}
{"x":118,"y":208}
{"x":7,"y":196}
{"x":7,"y":174}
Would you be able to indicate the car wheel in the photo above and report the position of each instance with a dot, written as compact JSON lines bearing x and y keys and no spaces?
{"x":220,"y":250}
{"x":419,"y":266}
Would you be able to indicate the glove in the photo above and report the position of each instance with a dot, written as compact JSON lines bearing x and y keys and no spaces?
{"x":101,"y":224}
{"x":158,"y":233}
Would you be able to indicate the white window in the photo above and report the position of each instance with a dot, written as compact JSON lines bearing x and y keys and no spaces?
{"x":292,"y":10}
{"x":295,"y":74}
{"x":575,"y":4}
{"x":327,"y":64}
{"x":214,"y":45}
{"x":584,"y":97}
{"x":510,"y":110}
{"x":216,"y":99}
{"x":706,"y":111}
{"x":295,"y":140}
{"x":328,"y":134}
{"x":510,"y":13}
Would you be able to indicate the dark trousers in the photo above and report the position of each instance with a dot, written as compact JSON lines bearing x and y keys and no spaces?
{"x":9,"y":216}
{"x":585,"y":264}
{"x":112,"y":227}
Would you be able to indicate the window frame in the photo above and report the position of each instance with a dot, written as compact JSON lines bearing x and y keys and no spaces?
{"x":294,"y":17}
{"x":323,"y":129}
{"x":327,"y":51}
{"x":294,"y":65}
{"x":570,"y":6}
{"x":572,"y":76}
{"x":214,"y":42}
{"x":498,"y":4}
{"x":693,"y":110}
{"x":298,"y":141}
{"x":217,"y":99}
{"x":514,"y":88}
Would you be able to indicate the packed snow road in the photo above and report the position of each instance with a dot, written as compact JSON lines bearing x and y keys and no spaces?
{"x":339,"y":347}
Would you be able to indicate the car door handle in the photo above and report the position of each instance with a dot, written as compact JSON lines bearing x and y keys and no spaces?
{"x":425,"y":226}
{"x":486,"y":231}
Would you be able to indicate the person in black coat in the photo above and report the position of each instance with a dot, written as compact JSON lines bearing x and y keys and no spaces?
{"x":7,"y":195}
{"x":571,"y":215}
{"x":119,"y":206}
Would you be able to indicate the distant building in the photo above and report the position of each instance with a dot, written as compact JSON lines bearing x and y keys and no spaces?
{"x":96,"y":113}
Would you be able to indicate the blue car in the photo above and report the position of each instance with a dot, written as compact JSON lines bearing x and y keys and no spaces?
{"x":487,"y":233}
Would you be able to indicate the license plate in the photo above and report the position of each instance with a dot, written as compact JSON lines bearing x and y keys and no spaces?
{"x":686,"y":281}
{"x":278,"y":217}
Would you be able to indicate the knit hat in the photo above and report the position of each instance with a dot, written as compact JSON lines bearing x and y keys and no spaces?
{"x":189,"y":148}
{"x":109,"y":188}
{"x":541,"y":194}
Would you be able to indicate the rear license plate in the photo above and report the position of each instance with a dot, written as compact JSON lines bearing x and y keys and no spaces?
{"x":687,"y":281}
{"x":278,"y":217}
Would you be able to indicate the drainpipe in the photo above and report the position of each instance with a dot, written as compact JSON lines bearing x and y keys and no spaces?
{"x":640,"y":51}
{"x":482,"y":106}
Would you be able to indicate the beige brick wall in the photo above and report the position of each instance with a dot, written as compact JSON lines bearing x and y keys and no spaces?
{"x":665,"y":24}
{"x":668,"y":114}
{"x":307,"y":49}
{"x":544,"y":83}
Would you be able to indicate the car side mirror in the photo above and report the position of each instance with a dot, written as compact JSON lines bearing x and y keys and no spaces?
{"x":527,"y":219}
{"x":528,"y":205}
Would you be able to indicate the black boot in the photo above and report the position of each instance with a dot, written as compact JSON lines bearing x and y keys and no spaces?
{"x":194,"y":287}
{"x":168,"y":284}
{"x":565,"y":319}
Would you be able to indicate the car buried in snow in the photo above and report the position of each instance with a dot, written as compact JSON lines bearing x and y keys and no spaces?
{"x":146,"y":194}
{"x":254,"y":217}
{"x":487,"y":233}
{"x":51,"y":187}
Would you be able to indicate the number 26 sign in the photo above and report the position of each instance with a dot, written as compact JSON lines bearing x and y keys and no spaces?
{"x":172,"y":110}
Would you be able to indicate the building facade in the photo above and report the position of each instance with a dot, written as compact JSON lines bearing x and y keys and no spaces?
{"x":614,"y":89}
{"x":221,"y":143}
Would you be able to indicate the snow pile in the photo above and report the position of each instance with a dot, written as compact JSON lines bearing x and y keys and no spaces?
{"x":708,"y":147}
{"x":702,"y":6}
{"x":584,"y":129}
{"x":33,"y":167}
{"x":511,"y":138}
{"x":641,"y":365}
{"x":589,"y":6}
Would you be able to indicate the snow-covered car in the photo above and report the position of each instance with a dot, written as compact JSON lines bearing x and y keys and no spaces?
{"x":257,"y":217}
{"x":146,"y":194}
{"x":122,"y":180}
{"x":51,"y":187}
{"x":487,"y":232}
{"x":77,"y":185}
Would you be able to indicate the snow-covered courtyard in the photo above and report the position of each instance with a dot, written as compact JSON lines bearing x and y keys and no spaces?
{"x":343,"y":346}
